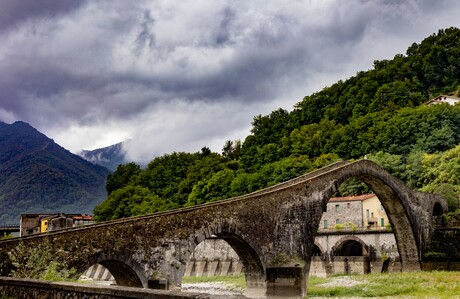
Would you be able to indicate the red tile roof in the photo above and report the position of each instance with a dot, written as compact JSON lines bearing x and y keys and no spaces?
{"x":353,"y":198}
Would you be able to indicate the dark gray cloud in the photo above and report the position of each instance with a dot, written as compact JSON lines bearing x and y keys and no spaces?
{"x":13,"y":13}
{"x":184,"y":74}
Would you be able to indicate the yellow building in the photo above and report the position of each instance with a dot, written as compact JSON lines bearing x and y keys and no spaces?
{"x":361,"y":211}
{"x":373,"y":213}
{"x":44,"y":225}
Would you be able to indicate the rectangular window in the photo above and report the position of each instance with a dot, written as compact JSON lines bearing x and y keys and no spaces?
{"x":337,"y":221}
{"x":367,"y":213}
{"x":337,"y":208}
{"x":382,"y":222}
{"x":325,"y":223}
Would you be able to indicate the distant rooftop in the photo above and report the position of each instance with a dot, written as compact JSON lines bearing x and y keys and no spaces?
{"x":353,"y":198}
{"x":451,"y":100}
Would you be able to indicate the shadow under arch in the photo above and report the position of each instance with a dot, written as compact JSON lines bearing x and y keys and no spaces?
{"x":437,"y":209}
{"x":253,"y":267}
{"x":123,"y":268}
{"x":347,"y":246}
{"x":394,"y":197}
{"x":317,"y":250}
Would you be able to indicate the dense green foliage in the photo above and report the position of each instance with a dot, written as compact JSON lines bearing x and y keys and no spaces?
{"x":39,"y":176}
{"x":39,"y":263}
{"x":377,"y":113}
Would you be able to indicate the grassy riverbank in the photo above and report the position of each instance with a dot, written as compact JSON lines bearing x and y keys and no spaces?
{"x":437,"y":284}
{"x":395,"y":285}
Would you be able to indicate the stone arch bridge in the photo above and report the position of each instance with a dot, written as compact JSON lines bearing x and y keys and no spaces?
{"x":272,"y":231}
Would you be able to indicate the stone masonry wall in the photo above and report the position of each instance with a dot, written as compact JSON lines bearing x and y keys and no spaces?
{"x":342,"y":213}
{"x":31,"y":289}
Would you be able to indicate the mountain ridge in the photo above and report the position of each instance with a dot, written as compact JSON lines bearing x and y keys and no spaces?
{"x":38,"y":175}
{"x":110,"y":156}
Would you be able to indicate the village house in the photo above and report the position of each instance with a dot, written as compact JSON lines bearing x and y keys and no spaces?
{"x":39,"y":223}
{"x":441,"y":99}
{"x":354,"y":212}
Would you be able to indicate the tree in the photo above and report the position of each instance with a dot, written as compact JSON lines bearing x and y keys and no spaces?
{"x":232,"y":149}
{"x":123,"y":175}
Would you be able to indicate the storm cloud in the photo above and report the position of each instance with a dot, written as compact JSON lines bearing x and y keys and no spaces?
{"x":180,"y":75}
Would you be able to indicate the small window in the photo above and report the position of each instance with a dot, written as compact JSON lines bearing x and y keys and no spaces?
{"x":337,"y":221}
{"x":325,"y":223}
{"x":382,"y":222}
{"x":348,"y":205}
{"x":381,"y":207}
{"x":337,"y":208}
{"x":367,"y":213}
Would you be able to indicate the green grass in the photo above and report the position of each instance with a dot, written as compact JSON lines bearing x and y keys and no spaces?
{"x":234,"y":281}
{"x":436,"y":284}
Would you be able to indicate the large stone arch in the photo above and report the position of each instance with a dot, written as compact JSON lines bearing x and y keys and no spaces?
{"x":125,"y":270}
{"x":253,"y":266}
{"x":402,"y":205}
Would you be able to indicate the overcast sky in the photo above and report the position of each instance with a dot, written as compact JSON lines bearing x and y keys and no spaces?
{"x":180,"y":75}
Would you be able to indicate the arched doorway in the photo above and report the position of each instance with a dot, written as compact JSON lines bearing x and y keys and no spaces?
{"x":437,"y":214}
{"x":350,"y":247}
{"x":351,"y":255}
{"x":437,"y":210}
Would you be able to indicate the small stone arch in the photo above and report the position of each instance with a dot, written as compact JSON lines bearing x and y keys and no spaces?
{"x":253,"y":267}
{"x":317,"y":250}
{"x":123,"y":268}
{"x":437,"y":209}
{"x":346,"y":246}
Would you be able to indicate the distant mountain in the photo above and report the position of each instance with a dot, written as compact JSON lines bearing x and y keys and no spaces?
{"x":38,"y":175}
{"x":109,"y":157}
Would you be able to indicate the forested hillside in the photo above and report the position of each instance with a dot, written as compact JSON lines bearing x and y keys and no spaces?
{"x":39,"y":176}
{"x":378,"y":113}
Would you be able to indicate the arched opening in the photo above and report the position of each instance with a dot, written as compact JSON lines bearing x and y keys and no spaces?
{"x":98,"y":274}
{"x":437,"y":209}
{"x":317,"y":251}
{"x":113,"y":269}
{"x":213,"y":257}
{"x":351,"y":255}
{"x":437,"y":214}
{"x":350,"y":248}
{"x":124,"y":275}
{"x":356,"y":211}
{"x":224,"y":254}
{"x":395,"y":201}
